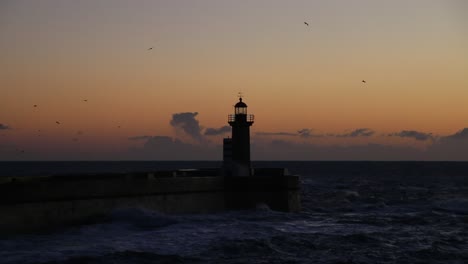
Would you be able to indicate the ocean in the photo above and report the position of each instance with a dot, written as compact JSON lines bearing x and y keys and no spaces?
{"x":352,"y":212}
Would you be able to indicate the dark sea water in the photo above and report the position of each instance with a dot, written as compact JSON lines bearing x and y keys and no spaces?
{"x":353,"y":212}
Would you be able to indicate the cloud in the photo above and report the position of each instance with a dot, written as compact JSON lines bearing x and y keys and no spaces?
{"x":161,"y":142}
{"x":187,"y":122}
{"x":275,"y":134}
{"x":4,"y":127}
{"x":421,"y":136}
{"x":287,"y":150}
{"x":168,"y":148}
{"x":360,"y":132}
{"x":305,"y":133}
{"x":217,"y":131}
{"x":452,"y":147}
{"x":460,"y":135}
{"x":139,"y":138}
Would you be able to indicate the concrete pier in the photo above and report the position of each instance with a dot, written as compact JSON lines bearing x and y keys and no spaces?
{"x":40,"y":203}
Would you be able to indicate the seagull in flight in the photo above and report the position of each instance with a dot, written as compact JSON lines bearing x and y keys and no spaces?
{"x":307,"y":24}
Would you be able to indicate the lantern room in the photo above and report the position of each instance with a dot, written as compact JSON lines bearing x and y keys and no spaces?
{"x":240,"y":108}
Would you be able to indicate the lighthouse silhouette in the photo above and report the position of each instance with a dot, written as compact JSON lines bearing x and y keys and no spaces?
{"x":236,"y":150}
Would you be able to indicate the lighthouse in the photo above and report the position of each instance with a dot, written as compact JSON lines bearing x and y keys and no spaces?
{"x":237,"y":148}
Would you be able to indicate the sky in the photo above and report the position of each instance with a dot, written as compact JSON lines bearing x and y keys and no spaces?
{"x":155,"y":80}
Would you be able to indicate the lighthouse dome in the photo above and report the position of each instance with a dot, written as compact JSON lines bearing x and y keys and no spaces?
{"x":240,"y":103}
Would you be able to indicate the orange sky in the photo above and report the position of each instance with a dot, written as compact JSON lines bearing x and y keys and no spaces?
{"x":55,"y":54}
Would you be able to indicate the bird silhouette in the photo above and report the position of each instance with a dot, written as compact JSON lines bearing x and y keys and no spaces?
{"x":85,"y":100}
{"x":57,"y":122}
{"x":35,"y":105}
{"x":307,"y":24}
{"x":151,"y":48}
{"x":363,"y":81}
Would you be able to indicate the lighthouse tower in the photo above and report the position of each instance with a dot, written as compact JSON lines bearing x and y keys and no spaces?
{"x":237,"y":149}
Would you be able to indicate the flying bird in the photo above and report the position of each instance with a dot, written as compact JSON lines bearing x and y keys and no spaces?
{"x":363,"y":81}
{"x":57,"y":122}
{"x":85,"y":100}
{"x":307,"y":24}
{"x":151,"y":48}
{"x":35,"y":105}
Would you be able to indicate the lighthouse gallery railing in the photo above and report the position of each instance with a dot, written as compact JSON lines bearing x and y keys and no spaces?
{"x":232,"y":118}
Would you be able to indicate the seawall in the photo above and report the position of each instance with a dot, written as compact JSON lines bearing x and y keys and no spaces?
{"x":40,"y":203}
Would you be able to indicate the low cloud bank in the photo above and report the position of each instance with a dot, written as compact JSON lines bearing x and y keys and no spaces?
{"x":217,"y":131}
{"x":304,"y":133}
{"x":139,"y":138}
{"x":360,"y":132}
{"x":168,"y":148}
{"x":421,"y":136}
{"x":451,"y":147}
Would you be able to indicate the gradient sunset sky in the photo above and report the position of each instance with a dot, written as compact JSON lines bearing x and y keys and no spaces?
{"x":303,"y":83}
